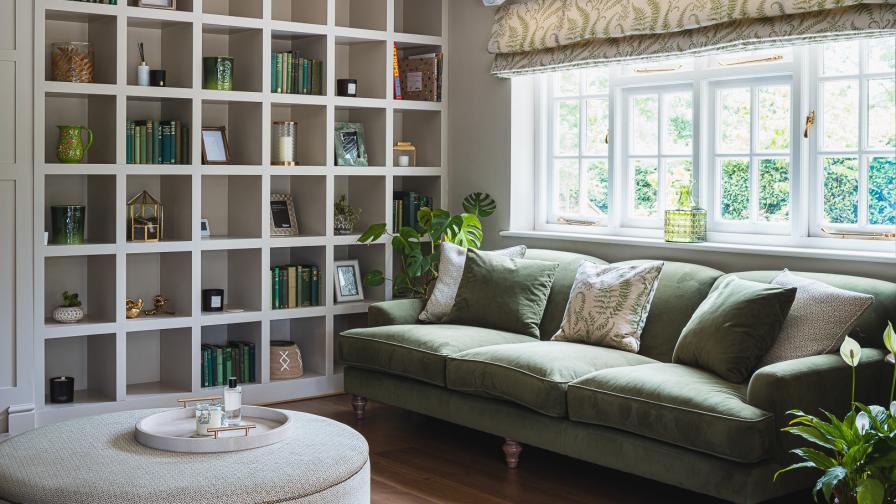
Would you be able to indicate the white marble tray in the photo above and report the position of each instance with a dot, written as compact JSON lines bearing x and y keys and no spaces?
{"x":175,"y":430}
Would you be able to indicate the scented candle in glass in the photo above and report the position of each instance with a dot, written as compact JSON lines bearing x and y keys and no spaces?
{"x":284,"y":140}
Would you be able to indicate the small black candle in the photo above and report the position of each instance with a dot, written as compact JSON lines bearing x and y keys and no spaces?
{"x":157,"y":78}
{"x":347,"y":87}
{"x":62,"y":389}
{"x":212,"y":300}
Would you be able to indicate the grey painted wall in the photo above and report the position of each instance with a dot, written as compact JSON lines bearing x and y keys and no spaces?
{"x":479,"y":156}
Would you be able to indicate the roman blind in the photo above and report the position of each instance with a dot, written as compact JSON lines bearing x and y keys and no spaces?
{"x":532,"y":36}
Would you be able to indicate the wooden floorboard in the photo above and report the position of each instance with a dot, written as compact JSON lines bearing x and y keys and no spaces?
{"x":422,"y":460}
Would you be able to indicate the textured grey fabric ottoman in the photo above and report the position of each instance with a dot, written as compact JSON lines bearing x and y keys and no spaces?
{"x":97,"y":460}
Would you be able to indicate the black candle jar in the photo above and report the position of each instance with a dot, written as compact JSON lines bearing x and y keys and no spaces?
{"x":157,"y":78}
{"x":347,"y":87}
{"x":212,"y":300}
{"x":62,"y":389}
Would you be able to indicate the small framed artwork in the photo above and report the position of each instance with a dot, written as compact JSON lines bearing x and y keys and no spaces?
{"x":283,"y":216}
{"x":215,"y":149}
{"x":347,"y":275}
{"x":351,"y":149}
{"x":158,"y":4}
{"x":204,"y":230}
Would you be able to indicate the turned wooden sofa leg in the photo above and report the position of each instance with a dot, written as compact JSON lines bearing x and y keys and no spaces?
{"x":512,"y":451}
{"x":358,"y":404}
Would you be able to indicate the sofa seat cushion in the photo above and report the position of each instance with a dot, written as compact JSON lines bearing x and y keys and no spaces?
{"x":678,"y":404}
{"x":416,"y":351}
{"x":534,"y":375}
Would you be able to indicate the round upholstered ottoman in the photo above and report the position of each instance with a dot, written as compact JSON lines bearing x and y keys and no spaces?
{"x":97,"y":460}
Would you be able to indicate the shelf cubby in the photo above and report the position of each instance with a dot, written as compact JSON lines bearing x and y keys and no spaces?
{"x":302,"y":256}
{"x":309,"y":197}
{"x":342,"y":323}
{"x":419,"y":17}
{"x":94,"y":111}
{"x":238,"y":8}
{"x":92,"y":277}
{"x":423,"y":128}
{"x":427,"y":185}
{"x":363,"y":60}
{"x":310,"y":335}
{"x":100,"y":30}
{"x":165,"y":273}
{"x":232,"y":205}
{"x":225,"y":334}
{"x":370,"y":257}
{"x":243,"y":123}
{"x":95,"y":192}
{"x":244,"y":45}
{"x":374,"y":122}
{"x":160,"y":109}
{"x":167,"y":45}
{"x":90,"y":360}
{"x":365,"y":14}
{"x":308,"y":45}
{"x":182,"y":5}
{"x":311,"y":131}
{"x":159,"y":362}
{"x":175,"y":194}
{"x":237,"y":272}
{"x":365,"y":192}
{"x":300,"y":11}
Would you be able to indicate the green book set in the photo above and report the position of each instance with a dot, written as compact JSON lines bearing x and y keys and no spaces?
{"x":157,"y":142}
{"x":220,"y":363}
{"x":295,"y":286}
{"x":405,"y":205}
{"x":292,"y":74}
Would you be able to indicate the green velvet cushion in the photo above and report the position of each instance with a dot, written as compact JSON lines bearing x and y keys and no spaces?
{"x":734,"y":327}
{"x":395,"y":312}
{"x":677,"y":404}
{"x":416,"y":351}
{"x":502,"y":293}
{"x":533,"y":375}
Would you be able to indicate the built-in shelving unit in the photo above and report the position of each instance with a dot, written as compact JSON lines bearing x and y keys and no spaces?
{"x":121,"y":363}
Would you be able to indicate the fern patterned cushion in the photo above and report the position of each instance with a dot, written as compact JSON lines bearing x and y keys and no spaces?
{"x":608,"y":305}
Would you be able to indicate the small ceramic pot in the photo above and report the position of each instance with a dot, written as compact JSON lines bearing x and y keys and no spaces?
{"x":68,"y":314}
{"x":343,"y":225}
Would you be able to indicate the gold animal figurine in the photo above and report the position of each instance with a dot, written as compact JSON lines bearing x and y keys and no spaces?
{"x":159,"y":302}
{"x":132,"y":308}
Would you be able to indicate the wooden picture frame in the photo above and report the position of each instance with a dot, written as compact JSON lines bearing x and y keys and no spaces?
{"x":158,"y":4}
{"x":217,"y":152}
{"x":347,"y":280}
{"x":283,"y":216}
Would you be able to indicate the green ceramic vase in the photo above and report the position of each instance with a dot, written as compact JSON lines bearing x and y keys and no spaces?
{"x":217,"y":73}
{"x":68,"y":224}
{"x":71,"y":148}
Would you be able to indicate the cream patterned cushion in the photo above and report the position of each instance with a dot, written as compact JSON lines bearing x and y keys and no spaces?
{"x":451,"y":269}
{"x":821,"y":316}
{"x":608,"y":305}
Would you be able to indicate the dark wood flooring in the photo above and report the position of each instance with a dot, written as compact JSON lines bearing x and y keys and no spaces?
{"x":419,"y":459}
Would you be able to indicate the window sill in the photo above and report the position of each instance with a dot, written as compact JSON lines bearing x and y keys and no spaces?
{"x":739,"y":248}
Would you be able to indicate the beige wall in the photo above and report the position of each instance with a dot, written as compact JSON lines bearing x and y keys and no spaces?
{"x":479,"y":156}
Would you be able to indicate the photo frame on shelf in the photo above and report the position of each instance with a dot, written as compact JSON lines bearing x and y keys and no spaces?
{"x":347,"y":278}
{"x":283,"y":216}
{"x":351,"y":149}
{"x":204,"y":230}
{"x":215,"y":148}
{"x":158,"y":4}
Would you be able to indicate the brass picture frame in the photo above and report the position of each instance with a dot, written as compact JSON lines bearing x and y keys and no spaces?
{"x":215,"y":147}
{"x":283,"y":216}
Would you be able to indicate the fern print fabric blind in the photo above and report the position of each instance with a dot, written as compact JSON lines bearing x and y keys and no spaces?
{"x":547,"y":35}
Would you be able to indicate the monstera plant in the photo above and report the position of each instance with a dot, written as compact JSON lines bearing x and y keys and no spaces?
{"x":417,"y":246}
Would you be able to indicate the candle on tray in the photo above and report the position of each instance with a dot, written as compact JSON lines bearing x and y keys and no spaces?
{"x":208,"y":416}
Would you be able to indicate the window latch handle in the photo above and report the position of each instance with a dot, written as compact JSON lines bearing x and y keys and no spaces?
{"x":607,"y":138}
{"x":810,"y":120}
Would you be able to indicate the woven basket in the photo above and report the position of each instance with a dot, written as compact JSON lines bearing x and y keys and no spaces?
{"x":286,"y":361}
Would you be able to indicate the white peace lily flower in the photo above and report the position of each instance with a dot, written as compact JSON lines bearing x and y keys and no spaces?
{"x":863,"y":422}
{"x":851,"y":351}
{"x":890,"y":338}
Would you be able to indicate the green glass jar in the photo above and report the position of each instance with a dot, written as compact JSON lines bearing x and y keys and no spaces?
{"x":687,"y":223}
{"x":68,"y":224}
{"x":217,"y":73}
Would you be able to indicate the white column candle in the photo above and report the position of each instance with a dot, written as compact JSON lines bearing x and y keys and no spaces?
{"x":404,"y":160}
{"x":285,"y":150}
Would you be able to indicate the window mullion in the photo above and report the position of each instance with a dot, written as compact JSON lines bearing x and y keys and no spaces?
{"x":754,"y":160}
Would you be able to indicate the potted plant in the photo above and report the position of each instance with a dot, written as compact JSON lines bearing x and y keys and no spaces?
{"x":345,"y":217}
{"x":857,"y":455}
{"x":70,"y":310}
{"x":418,"y":269}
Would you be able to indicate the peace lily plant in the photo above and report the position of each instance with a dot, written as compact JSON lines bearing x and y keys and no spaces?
{"x":858,"y":460}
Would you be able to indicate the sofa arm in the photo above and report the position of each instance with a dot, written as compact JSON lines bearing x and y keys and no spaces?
{"x":812,"y":384}
{"x":398,"y":312}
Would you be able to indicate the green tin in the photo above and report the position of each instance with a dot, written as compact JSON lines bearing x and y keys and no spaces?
{"x":68,"y":224}
{"x":217,"y":73}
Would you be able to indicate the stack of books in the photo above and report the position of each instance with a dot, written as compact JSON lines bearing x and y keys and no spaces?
{"x":295,"y":286}
{"x":157,"y":142}
{"x":420,"y":77}
{"x":220,"y":363}
{"x":405,"y":205}
{"x":292,"y":74}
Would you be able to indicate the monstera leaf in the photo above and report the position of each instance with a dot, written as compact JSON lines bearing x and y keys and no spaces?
{"x":480,"y":204}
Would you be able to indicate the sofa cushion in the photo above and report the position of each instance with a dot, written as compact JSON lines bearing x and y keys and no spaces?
{"x":534,"y":375}
{"x":416,"y":351}
{"x":678,"y":404}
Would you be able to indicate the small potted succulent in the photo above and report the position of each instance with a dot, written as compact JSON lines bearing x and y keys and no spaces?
{"x":70,"y":310}
{"x":345,"y":217}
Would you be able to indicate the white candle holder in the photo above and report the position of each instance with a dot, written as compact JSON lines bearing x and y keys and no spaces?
{"x":284,"y":140}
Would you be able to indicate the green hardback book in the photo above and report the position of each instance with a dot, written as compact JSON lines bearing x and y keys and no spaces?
{"x":150,"y":141}
{"x":157,"y":142}
{"x":315,"y":286}
{"x":317,"y":68}
{"x":306,"y":285}
{"x":141,"y":132}
{"x":275,"y":288}
{"x":279,"y":73}
{"x":300,"y":301}
{"x":219,"y":362}
{"x":284,"y":288}
{"x":287,"y":71}
{"x":244,"y":351}
{"x":204,"y":372}
{"x":129,"y":142}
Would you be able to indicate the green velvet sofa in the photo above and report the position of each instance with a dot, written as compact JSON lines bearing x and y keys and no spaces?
{"x":637,"y":413}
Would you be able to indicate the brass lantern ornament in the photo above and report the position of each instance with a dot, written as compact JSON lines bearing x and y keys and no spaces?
{"x":144,"y":218}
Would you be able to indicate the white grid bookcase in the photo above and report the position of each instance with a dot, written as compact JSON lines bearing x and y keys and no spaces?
{"x":121,"y":364}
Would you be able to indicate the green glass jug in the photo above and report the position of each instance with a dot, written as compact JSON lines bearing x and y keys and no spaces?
{"x":71,"y":148}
